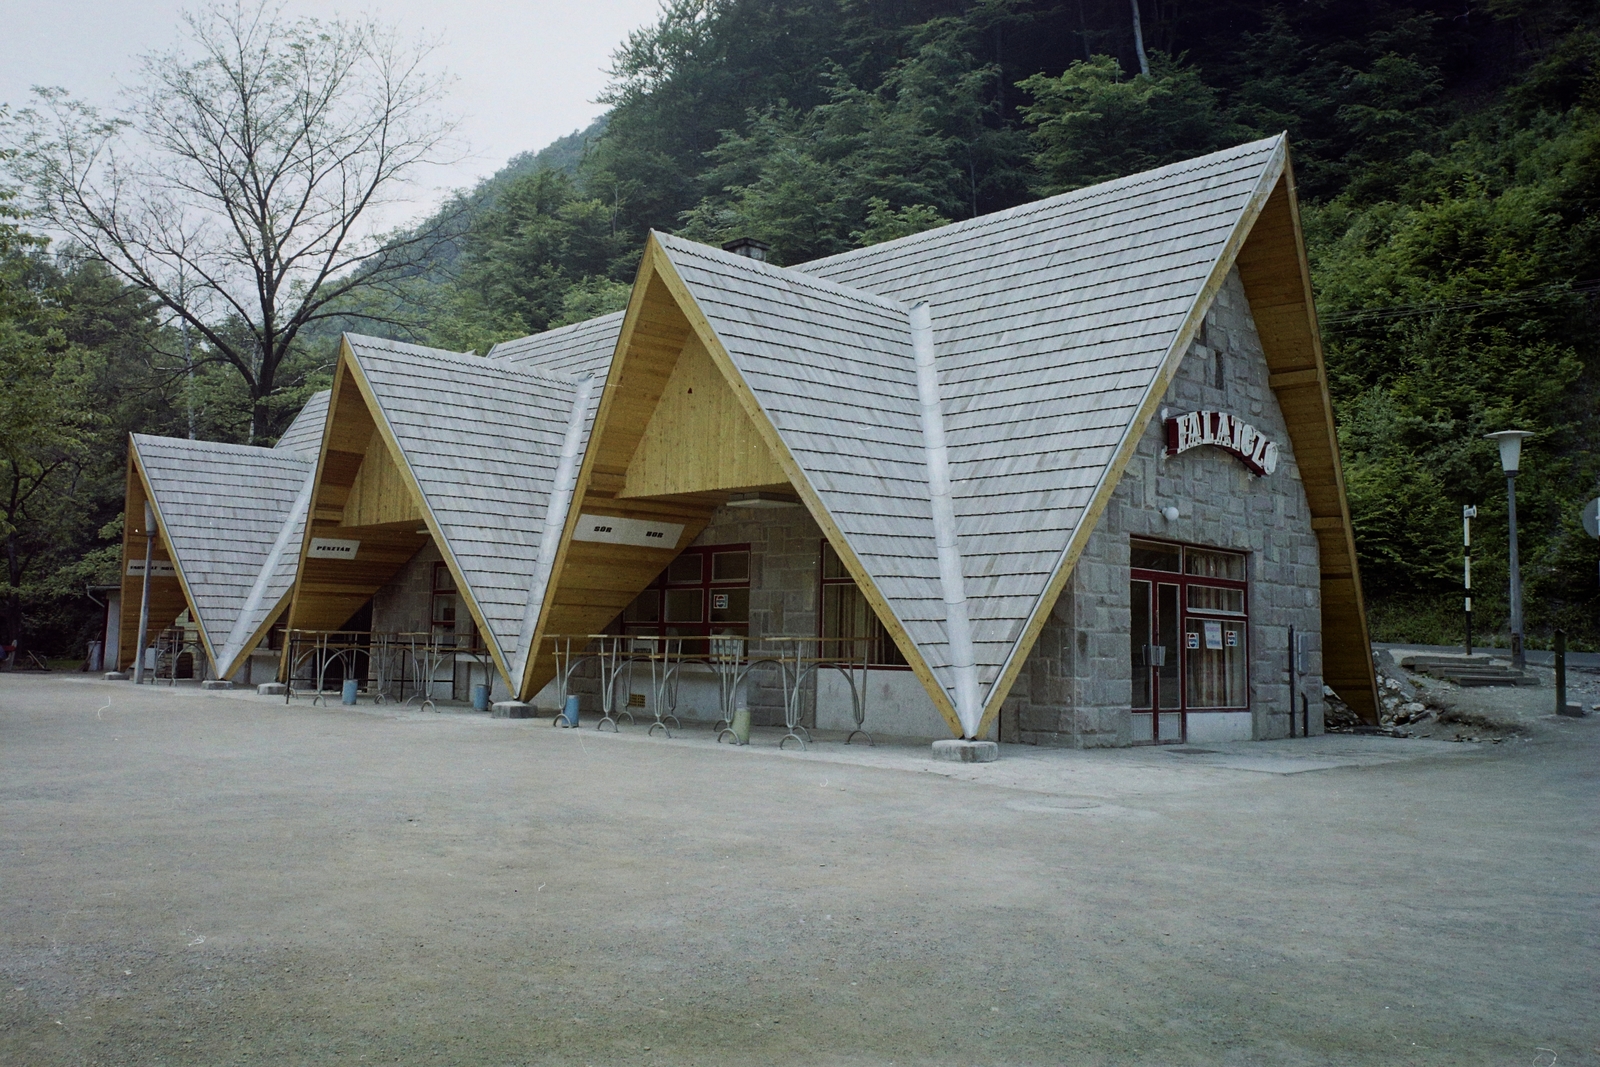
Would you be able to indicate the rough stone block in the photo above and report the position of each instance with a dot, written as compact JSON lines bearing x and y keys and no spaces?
{"x":271,"y":689}
{"x":117,"y":676}
{"x":954,"y":751}
{"x":216,"y":683}
{"x":513,"y":709}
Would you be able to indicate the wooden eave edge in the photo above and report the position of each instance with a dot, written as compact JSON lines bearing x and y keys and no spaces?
{"x":662,"y":266}
{"x":1112,"y":474}
{"x":580,"y":483}
{"x":380,"y":419}
{"x":177,"y":564}
{"x":1319,"y":366}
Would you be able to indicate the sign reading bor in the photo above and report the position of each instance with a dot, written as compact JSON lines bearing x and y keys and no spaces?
{"x":1228,"y":432}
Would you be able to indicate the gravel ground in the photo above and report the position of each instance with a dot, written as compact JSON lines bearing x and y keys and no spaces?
{"x":209,"y":879}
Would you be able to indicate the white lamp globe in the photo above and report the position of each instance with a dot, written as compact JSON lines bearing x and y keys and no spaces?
{"x":1510,"y":442}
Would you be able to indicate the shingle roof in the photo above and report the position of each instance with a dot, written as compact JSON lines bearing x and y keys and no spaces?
{"x":832,"y":369}
{"x":305,"y":432}
{"x":1052,"y":324}
{"x":481,"y":437}
{"x":579,"y":349}
{"x":221,"y":509}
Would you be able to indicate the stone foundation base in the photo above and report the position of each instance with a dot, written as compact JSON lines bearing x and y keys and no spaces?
{"x":117,"y":676}
{"x":513,"y":709}
{"x":216,"y":683}
{"x":271,"y":689}
{"x":956,"y":751}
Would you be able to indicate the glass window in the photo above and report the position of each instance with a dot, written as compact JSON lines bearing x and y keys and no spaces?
{"x":646,"y":607}
{"x":1215,"y":657}
{"x":730,"y":605}
{"x":1210,"y":564}
{"x":686,"y":568}
{"x":1154,"y":556}
{"x":705,"y":591}
{"x":1218,"y":598}
{"x":442,"y":617}
{"x":730,"y":567}
{"x":685,"y":605}
{"x":851,"y":628}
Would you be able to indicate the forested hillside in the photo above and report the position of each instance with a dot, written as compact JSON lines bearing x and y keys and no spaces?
{"x":1448,"y":157}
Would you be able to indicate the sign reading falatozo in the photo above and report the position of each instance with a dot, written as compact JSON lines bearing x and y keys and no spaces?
{"x":1227,"y":432}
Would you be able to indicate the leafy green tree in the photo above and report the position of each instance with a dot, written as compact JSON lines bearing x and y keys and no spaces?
{"x":540,"y":241}
{"x":47,"y":425}
{"x":1092,"y":123}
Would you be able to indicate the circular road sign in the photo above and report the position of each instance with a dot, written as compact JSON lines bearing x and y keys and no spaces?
{"x":1591,"y":517}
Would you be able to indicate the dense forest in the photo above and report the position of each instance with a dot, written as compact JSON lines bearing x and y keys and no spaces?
{"x":1448,"y":158}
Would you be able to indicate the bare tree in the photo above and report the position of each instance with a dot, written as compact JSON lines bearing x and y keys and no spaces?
{"x":242,"y":184}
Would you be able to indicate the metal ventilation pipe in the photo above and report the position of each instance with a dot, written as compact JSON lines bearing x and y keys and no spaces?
{"x":952,"y":580}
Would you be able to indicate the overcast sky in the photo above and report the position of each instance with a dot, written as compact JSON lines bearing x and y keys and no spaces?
{"x":528,"y":72}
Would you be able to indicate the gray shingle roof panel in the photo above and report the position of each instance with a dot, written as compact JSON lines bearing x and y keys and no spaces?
{"x":305,"y":432}
{"x":482,"y":437}
{"x":1051,"y":323}
{"x":221,"y":509}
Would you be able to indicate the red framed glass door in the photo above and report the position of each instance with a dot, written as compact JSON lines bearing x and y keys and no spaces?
{"x":1188,"y":637}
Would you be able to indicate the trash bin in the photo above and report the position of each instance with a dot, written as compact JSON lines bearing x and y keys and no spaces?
{"x":480,"y":698}
{"x":351,"y":687}
{"x":570,"y":712}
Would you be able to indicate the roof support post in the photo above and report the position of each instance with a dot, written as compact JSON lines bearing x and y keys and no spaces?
{"x":144,"y":595}
{"x":246,"y":623}
{"x":555,"y":520}
{"x":952,"y":580}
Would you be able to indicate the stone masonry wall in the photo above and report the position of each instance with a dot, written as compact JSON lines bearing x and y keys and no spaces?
{"x":785,"y":560}
{"x":1076,"y":686}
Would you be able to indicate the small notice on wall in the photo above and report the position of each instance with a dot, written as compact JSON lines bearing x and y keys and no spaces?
{"x":1213,"y":635}
{"x":159,"y":568}
{"x":1230,"y":638}
{"x":332,"y":548}
{"x":719,"y":601}
{"x":1191,"y":640}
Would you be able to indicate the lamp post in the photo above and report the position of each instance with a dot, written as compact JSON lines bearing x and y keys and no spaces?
{"x":1510,"y":442}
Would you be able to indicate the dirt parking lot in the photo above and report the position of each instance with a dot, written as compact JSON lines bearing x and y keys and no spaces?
{"x":210,"y":879}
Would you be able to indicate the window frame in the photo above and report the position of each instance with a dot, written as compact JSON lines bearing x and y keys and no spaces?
{"x":1183,"y":580}
{"x":882,"y":640}
{"x":707,"y":584}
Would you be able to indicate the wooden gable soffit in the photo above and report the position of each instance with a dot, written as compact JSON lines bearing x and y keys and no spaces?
{"x":1277,"y":281}
{"x":699,"y":438}
{"x":386,"y":504}
{"x":185,"y":598}
{"x":168,"y":595}
{"x":661,"y":265}
{"x":1130,"y":439}
{"x":590,"y":583}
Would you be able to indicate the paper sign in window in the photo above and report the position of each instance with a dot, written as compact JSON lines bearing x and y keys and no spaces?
{"x":1213,"y":634}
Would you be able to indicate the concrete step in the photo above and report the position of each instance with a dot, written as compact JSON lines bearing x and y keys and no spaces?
{"x":1479,"y":677}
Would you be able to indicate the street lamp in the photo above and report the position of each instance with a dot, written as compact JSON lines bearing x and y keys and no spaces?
{"x":1510,"y":442}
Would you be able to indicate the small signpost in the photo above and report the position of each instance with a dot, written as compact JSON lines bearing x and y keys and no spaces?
{"x":1468,"y":513}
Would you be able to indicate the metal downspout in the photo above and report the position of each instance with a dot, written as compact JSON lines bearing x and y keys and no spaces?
{"x":952,"y":582}
{"x":555,"y":519}
{"x":241,"y":627}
